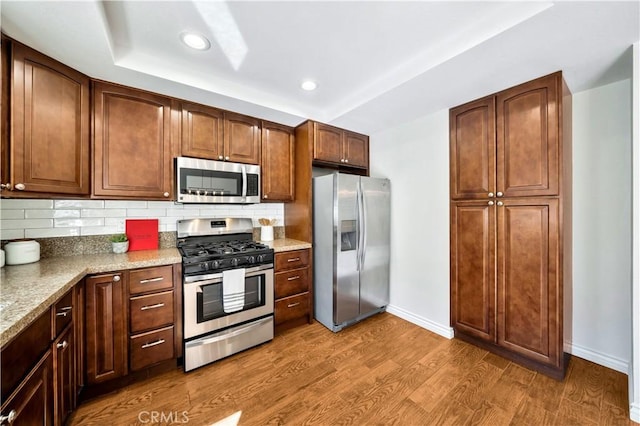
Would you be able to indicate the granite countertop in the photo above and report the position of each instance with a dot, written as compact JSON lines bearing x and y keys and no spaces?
{"x":26,"y":291}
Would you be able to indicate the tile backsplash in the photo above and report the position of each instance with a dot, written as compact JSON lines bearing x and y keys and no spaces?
{"x":21,"y":218}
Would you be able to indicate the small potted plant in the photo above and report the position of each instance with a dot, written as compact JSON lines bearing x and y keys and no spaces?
{"x":119,"y":243}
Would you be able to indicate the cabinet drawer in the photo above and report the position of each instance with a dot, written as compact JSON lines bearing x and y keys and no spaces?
{"x":150,"y":348}
{"x":292,"y":259}
{"x":151,"y":279}
{"x":291,"y":282}
{"x":291,"y":308}
{"x":63,"y":313}
{"x":151,"y":311}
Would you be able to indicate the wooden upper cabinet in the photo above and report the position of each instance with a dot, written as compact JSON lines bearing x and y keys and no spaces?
{"x":528,"y":123}
{"x":472,"y":149}
{"x":241,"y":138}
{"x":202,"y":132}
{"x":529,"y":279}
{"x":340,"y":147}
{"x":278,"y":159}
{"x":50,"y":125}
{"x":327,"y":144}
{"x":132,"y":143}
{"x":473,"y":271}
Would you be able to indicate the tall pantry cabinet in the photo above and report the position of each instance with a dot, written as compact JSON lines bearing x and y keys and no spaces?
{"x":510,"y":188}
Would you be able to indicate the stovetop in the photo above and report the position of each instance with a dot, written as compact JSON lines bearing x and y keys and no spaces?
{"x":212,"y":250}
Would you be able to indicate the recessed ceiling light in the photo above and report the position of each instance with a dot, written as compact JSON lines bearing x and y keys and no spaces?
{"x":195,"y":41}
{"x":309,"y":85}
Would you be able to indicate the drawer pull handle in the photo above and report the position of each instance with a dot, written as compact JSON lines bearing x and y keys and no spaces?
{"x":9,"y":418}
{"x":62,"y":314}
{"x":157,"y":305}
{"x":66,"y":308}
{"x":293,"y":259}
{"x":296,"y":277}
{"x":156,"y":343}
{"x":62,"y":345}
{"x":292,"y":305}
{"x":151,"y":280}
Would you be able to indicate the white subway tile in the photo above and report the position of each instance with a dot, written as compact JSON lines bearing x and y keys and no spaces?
{"x":160,"y":204}
{"x":11,"y":234}
{"x":12,"y":204}
{"x":53,"y":232}
{"x":116,"y":204}
{"x":70,"y":223}
{"x":51,"y":214}
{"x":104,"y":212}
{"x":11,"y":214}
{"x":146,"y":213}
{"x":26,"y":223}
{"x":114,"y":221}
{"x":175,"y":213}
{"x":99,"y":230}
{"x":79,"y":204}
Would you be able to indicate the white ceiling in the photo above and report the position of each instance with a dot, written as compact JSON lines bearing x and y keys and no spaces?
{"x":377,"y":64}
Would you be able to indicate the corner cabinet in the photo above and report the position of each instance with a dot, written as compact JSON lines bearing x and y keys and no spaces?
{"x":48,"y":135}
{"x":277,"y":166}
{"x":131,"y":144}
{"x":511,"y":222}
{"x":340,"y":147}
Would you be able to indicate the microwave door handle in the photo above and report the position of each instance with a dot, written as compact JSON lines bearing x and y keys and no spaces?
{"x":244,"y":182}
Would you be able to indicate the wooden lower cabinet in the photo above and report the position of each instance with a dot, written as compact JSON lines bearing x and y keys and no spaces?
{"x":506,"y":286}
{"x":106,"y":328}
{"x":65,"y":371}
{"x":293,"y":294}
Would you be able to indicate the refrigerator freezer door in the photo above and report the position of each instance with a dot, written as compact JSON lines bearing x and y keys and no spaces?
{"x":346,"y":292}
{"x":374,"y":274}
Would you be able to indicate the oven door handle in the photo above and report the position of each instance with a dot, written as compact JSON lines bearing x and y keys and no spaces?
{"x":227,"y":334}
{"x":216,"y":278}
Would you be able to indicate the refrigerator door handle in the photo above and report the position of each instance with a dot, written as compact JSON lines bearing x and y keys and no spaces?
{"x":358,"y":228}
{"x":363,"y":227}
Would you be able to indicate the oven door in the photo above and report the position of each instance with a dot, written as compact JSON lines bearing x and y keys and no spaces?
{"x":203,"y":307}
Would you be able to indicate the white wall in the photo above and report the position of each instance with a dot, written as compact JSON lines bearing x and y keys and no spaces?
{"x":602,"y":225}
{"x":69,"y":218}
{"x":415,"y":157}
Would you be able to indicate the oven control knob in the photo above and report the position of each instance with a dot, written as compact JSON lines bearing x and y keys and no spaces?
{"x":251,"y":259}
{"x":215,"y":264}
{"x":260,"y":258}
{"x":234,"y":261}
{"x":203,"y":266}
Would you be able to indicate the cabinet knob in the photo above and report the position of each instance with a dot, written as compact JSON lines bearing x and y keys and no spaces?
{"x":166,"y":194}
{"x":490,"y":195}
{"x":490,"y":203}
{"x":342,"y":160}
{"x":499,"y":194}
{"x":116,"y":278}
{"x":346,"y":160}
{"x":62,"y":345}
{"x":226,"y":158}
{"x":500,"y":203}
{"x":220,"y":157}
{"x":9,"y":418}
{"x":265,"y":196}
{"x":19,"y":186}
{"x":5,"y":186}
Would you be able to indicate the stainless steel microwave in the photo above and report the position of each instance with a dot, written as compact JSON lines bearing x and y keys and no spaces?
{"x":216,"y":182}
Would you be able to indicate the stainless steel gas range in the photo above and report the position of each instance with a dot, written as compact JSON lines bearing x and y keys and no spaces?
{"x":228,"y":289}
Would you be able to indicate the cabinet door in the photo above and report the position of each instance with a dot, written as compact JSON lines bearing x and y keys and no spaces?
{"x":241,"y":138}
{"x":356,"y":149}
{"x":277,"y":162}
{"x":472,"y":149}
{"x":49,"y":125}
{"x":106,"y":332}
{"x":64,"y":377}
{"x":202,"y":132}
{"x":32,"y":402}
{"x":529,"y":269}
{"x":528,"y":138}
{"x":132,"y":143}
{"x":327,"y":145}
{"x":473,"y":269}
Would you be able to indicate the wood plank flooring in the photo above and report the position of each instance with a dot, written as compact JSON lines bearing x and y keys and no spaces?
{"x":383,"y":371}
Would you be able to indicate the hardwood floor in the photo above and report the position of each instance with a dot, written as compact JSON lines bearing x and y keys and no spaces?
{"x":382,"y":371}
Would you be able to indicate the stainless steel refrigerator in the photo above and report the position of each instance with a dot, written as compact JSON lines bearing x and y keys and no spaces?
{"x":351,"y":248}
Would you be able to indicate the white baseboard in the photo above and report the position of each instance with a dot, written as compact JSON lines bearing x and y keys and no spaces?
{"x":634,"y":411}
{"x":435,"y":327}
{"x":598,"y":357}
